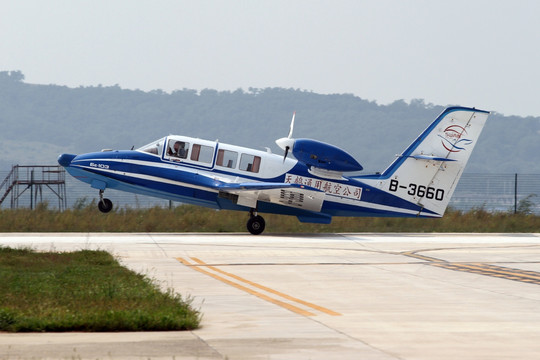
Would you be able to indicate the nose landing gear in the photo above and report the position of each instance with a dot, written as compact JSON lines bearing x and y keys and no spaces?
{"x":104,"y":205}
{"x":256,"y":223}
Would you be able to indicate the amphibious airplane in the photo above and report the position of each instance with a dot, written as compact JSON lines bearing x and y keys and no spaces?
{"x":312,"y":187}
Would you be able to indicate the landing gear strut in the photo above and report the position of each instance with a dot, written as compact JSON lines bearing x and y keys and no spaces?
{"x":104,"y":205}
{"x":256,"y":223}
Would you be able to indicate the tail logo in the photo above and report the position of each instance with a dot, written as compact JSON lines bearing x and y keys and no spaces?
{"x":453,"y":140}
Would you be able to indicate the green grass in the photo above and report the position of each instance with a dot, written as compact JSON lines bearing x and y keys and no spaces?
{"x":83,"y":291}
{"x":188,"y":218}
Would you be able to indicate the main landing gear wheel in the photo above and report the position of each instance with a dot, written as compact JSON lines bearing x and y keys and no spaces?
{"x":256,"y":225}
{"x":104,"y":205}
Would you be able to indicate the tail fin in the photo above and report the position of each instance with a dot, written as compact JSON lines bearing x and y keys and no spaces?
{"x":427,"y":172}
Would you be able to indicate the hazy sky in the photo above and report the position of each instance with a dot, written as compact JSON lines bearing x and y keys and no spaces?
{"x":468,"y":52}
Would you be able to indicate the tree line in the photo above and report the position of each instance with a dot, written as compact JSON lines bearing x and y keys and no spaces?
{"x":41,"y":121}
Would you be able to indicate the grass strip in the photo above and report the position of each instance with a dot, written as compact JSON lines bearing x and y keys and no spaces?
{"x":83,"y":291}
{"x":188,"y":218}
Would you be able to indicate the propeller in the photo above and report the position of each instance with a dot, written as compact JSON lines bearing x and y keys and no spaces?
{"x":288,"y":142}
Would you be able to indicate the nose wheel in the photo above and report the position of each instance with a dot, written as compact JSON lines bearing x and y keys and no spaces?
{"x":255,"y":224}
{"x":104,"y":205}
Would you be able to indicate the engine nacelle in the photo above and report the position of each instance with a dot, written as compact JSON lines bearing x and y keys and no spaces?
{"x":324,"y":156}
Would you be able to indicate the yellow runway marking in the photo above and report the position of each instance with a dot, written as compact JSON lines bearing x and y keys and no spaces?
{"x":497,"y":271}
{"x":267,"y":289}
{"x":530,"y":277}
{"x":293,"y":308}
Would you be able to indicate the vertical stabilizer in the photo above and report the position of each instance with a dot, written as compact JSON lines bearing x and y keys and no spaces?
{"x":427,"y":172}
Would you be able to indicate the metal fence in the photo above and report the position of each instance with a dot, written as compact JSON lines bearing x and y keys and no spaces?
{"x":492,"y":192}
{"x":498,"y":192}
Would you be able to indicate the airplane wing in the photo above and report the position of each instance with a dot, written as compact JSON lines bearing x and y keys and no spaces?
{"x":292,"y":195}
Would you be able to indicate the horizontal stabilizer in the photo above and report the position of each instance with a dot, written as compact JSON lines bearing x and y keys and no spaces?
{"x":430,"y":157}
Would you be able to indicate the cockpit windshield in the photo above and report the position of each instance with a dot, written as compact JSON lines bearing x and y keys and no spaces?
{"x":155,"y":147}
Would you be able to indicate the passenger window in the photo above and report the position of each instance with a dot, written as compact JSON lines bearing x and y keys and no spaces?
{"x":202,"y":153}
{"x":177,"y":149}
{"x":250,"y":163}
{"x":227,"y":158}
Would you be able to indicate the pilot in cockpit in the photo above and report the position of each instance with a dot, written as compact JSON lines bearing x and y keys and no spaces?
{"x":177,"y":150}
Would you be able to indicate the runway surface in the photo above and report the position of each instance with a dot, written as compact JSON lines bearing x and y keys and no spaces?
{"x":335,"y":296}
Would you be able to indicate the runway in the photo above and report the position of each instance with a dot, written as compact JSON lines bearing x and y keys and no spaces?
{"x":333,"y":296}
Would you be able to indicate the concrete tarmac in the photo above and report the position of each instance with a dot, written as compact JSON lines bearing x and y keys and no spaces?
{"x":334,"y":296}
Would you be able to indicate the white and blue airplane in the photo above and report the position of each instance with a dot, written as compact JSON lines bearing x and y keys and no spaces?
{"x":312,"y":187}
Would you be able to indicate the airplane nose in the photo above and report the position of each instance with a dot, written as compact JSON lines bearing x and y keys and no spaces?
{"x":65,"y":159}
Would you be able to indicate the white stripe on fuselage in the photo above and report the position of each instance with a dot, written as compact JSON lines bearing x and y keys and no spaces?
{"x":150,"y":178}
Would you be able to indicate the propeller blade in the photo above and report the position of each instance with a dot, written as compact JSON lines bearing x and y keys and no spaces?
{"x":292,"y":126}
{"x":286,"y":153}
{"x":288,"y":142}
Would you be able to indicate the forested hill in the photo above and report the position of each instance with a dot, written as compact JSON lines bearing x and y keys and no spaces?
{"x":38,"y":122}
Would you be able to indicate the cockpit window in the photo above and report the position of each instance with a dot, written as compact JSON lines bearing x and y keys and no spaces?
{"x":155,"y":147}
{"x":178,"y":149}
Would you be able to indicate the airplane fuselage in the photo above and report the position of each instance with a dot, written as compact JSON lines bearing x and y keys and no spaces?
{"x":194,"y":181}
